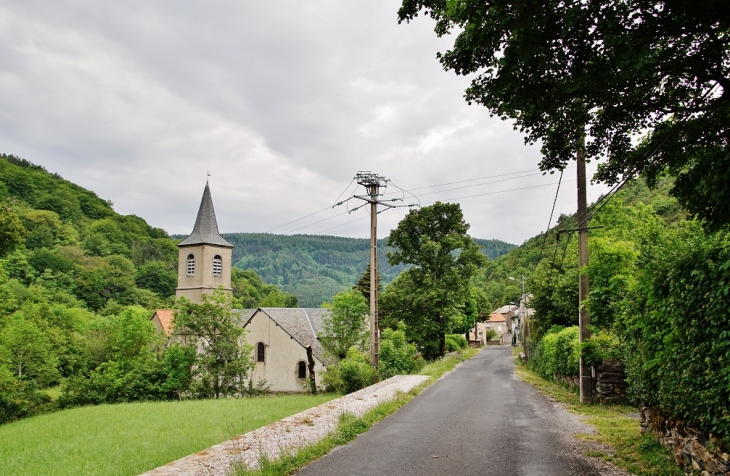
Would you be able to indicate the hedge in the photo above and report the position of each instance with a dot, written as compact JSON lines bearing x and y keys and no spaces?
{"x":677,"y":333}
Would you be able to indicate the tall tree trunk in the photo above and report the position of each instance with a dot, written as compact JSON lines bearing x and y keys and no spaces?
{"x":312,"y":377}
{"x":443,"y":344}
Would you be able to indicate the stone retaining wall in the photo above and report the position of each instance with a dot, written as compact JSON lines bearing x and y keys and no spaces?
{"x":693,"y":450}
{"x":610,"y":382}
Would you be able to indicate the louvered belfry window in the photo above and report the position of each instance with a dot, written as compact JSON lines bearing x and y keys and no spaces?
{"x":217,"y":266}
{"x":191,"y":265}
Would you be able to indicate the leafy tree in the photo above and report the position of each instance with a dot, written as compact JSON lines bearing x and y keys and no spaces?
{"x":11,"y":230}
{"x":346,"y":324}
{"x":156,"y":277}
{"x":278,"y":298}
{"x":607,"y":71}
{"x":225,"y":361}
{"x":29,"y":351}
{"x":434,"y":240}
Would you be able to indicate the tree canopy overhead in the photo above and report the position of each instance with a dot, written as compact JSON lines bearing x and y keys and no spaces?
{"x":610,"y":70}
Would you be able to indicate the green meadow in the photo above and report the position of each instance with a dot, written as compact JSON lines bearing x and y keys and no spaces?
{"x":128,"y":439}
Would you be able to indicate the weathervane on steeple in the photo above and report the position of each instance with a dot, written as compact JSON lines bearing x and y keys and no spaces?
{"x":208,"y":179}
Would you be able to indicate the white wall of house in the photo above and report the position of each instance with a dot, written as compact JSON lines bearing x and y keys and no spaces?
{"x":282,"y":356}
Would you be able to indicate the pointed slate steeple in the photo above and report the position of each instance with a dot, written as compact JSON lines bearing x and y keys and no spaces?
{"x":205,"y":231}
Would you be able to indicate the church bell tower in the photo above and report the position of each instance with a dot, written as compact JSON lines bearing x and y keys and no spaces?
{"x":204,"y":257}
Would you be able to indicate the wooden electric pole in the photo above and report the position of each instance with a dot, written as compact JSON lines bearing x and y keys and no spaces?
{"x":586,"y":377}
{"x":372,"y":183}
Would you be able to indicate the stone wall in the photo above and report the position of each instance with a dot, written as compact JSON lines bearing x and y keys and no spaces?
{"x":572,"y":381}
{"x":610,"y":382}
{"x":693,"y":450}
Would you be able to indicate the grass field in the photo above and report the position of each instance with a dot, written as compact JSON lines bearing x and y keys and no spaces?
{"x":128,"y":439}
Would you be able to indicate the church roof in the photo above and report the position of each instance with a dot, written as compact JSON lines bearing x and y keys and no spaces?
{"x":302,"y":324}
{"x":166,"y":318}
{"x":205,"y":231}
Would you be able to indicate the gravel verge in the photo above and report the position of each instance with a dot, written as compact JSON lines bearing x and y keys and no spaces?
{"x":287,"y":435}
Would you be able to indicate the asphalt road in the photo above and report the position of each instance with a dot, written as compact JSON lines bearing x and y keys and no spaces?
{"x":477,"y":420}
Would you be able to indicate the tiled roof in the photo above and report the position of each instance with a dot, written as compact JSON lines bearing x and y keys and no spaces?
{"x":166,"y":318}
{"x":205,"y":231}
{"x":496,"y":317}
{"x":302,"y":324}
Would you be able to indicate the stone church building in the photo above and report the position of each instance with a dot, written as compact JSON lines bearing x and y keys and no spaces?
{"x":280,"y":337}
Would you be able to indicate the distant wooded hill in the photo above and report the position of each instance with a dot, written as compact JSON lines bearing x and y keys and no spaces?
{"x":315,"y":268}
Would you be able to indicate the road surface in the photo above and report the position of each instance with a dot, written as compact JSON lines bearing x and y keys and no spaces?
{"x":477,"y":420}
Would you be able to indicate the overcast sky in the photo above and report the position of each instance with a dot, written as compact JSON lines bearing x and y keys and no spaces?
{"x":281,"y":101}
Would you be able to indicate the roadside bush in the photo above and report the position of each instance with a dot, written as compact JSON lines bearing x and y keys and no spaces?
{"x":603,"y":345}
{"x":356,"y":371}
{"x":332,"y":379}
{"x":559,"y":352}
{"x":677,"y":333}
{"x":397,"y":356}
{"x":456,"y":342}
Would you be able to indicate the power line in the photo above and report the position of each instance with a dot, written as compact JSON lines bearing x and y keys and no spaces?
{"x":478,"y":184}
{"x":500,"y":191}
{"x":430,"y":203}
{"x":479,"y":178}
{"x":300,"y":219}
{"x":551,"y":217}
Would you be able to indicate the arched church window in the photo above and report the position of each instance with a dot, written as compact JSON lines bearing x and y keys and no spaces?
{"x":191,"y":265}
{"x":217,"y":265}
{"x":301,"y":369}
{"x":260,"y":352}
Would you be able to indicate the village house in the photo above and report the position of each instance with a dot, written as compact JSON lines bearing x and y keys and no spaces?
{"x":500,"y":322}
{"x":282,"y":339}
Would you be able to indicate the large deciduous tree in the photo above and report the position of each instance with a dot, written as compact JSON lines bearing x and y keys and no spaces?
{"x":429,"y":297}
{"x":606,"y":70}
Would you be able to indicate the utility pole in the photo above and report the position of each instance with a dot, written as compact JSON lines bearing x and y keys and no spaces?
{"x":586,"y":378}
{"x":372,"y":183}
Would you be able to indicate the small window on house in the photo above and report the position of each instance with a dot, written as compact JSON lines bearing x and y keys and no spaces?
{"x":191,"y":265}
{"x":301,"y":369}
{"x":260,"y":352}
{"x":217,"y":266}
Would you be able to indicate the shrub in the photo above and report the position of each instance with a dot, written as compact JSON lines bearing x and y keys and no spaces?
{"x":356,"y":371}
{"x":332,"y":379}
{"x":603,"y":345}
{"x":397,"y":356}
{"x":676,"y":335}
{"x":456,"y":342}
{"x":559,"y":352}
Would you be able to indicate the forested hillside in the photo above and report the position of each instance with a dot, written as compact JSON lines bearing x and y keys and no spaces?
{"x":315,"y":268}
{"x":78,"y":283}
{"x":522,"y":260}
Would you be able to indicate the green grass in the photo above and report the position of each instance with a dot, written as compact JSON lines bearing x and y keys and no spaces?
{"x":640,"y":454}
{"x":349,"y":426}
{"x":128,"y":439}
